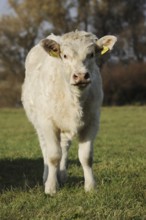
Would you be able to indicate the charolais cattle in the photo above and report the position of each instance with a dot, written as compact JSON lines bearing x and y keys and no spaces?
{"x":62,"y":95}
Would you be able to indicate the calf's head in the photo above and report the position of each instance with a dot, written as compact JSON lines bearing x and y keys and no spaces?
{"x":78,"y":54}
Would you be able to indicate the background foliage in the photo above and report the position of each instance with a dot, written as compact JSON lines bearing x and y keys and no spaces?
{"x":124,"y":76}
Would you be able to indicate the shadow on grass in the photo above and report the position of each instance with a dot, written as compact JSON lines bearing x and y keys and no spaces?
{"x":20,"y":173}
{"x":26,"y":173}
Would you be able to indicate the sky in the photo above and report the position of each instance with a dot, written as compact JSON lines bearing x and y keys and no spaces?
{"x":4,"y":7}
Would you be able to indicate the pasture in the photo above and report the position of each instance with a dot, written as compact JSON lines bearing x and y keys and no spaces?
{"x":119,"y":168}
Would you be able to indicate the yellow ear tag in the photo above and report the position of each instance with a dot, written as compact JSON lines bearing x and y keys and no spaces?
{"x":53,"y":54}
{"x":104,"y":50}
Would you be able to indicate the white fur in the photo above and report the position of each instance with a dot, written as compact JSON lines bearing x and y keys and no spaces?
{"x":59,"y":110}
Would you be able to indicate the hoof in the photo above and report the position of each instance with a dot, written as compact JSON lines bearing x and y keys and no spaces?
{"x":90,"y":186}
{"x":51,"y":188}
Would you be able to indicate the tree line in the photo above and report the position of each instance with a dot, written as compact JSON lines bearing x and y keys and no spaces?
{"x":30,"y":21}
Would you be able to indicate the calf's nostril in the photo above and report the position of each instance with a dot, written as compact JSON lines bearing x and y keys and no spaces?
{"x":87,"y":76}
{"x":75,"y":77}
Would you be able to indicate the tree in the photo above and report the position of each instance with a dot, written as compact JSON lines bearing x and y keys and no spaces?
{"x":26,"y":26}
{"x":34,"y":20}
{"x":127,"y":20}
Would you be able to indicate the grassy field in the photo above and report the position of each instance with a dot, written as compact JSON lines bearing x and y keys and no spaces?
{"x":119,"y":168}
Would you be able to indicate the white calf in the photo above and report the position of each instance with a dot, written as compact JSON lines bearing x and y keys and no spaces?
{"x":62,"y":95}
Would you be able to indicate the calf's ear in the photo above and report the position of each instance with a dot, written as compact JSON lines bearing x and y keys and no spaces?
{"x":51,"y":47}
{"x":106,"y":43}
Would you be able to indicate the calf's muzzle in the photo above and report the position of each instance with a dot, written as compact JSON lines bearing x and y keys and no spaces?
{"x":81,"y":79}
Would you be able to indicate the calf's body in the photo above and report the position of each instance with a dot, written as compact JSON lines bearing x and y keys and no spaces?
{"x":62,"y":95}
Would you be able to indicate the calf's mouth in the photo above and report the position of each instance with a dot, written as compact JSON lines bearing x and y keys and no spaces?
{"x":82,"y":84}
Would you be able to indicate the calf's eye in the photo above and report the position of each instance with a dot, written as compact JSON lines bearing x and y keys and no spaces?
{"x":65,"y":56}
{"x":90,"y":55}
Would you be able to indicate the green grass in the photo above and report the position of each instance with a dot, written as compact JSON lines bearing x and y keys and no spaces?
{"x":119,"y":168}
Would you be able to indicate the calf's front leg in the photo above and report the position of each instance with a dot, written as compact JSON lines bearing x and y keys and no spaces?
{"x":86,"y":158}
{"x":86,"y":138}
{"x":52,"y":155}
{"x":44,"y":153}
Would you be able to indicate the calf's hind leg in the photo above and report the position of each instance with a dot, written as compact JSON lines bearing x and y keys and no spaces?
{"x":65,"y":145}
